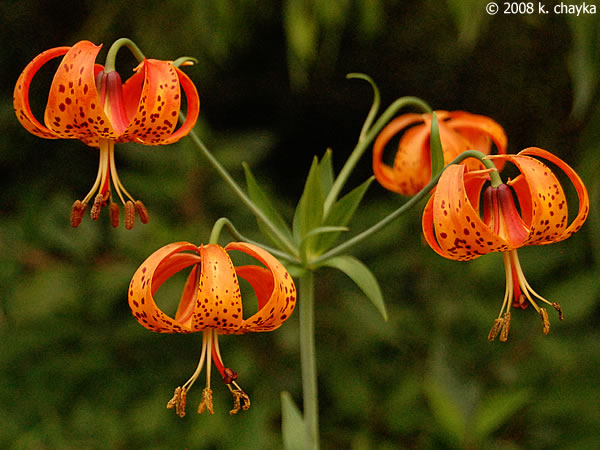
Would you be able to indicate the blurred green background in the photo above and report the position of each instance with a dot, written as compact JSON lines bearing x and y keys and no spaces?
{"x":77,"y":371}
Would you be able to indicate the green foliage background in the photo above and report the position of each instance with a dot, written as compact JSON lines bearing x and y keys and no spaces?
{"x":77,"y":371}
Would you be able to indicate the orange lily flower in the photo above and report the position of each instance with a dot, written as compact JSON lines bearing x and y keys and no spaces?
{"x":86,"y":102}
{"x":453,"y":227}
{"x":459,"y":131}
{"x":211,"y":302}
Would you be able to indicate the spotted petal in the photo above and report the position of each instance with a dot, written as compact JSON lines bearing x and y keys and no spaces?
{"x":157,"y":268}
{"x":218,"y":299}
{"x":21,"y":94}
{"x":274,"y":306}
{"x":451,"y":222}
{"x":153,"y":99}
{"x":459,"y":131}
{"x":74,"y":109}
{"x":393,"y":178}
{"x":542,"y":199}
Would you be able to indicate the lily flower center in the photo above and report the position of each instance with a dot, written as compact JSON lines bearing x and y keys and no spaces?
{"x":210,"y":350}
{"x":110,"y":91}
{"x":501,"y":215}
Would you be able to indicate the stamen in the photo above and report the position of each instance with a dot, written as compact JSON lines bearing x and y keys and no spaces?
{"x":129,"y":215}
{"x":178,"y":401}
{"x":142,"y":211}
{"x":545,"y":320}
{"x":557,"y":307}
{"x":114,"y":215}
{"x":495,"y":329}
{"x":240,"y":399}
{"x":99,"y":202}
{"x":207,"y":401}
{"x":77,"y":213}
{"x":505,"y":327}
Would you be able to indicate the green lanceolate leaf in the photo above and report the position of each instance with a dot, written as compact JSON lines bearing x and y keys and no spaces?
{"x":435,"y":145}
{"x":326,"y":172}
{"x":309,"y":212}
{"x":260,"y":198}
{"x":341,"y":213}
{"x":293,"y":428}
{"x":362,"y":276}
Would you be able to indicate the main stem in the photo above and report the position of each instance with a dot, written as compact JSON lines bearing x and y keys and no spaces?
{"x":308,"y":358}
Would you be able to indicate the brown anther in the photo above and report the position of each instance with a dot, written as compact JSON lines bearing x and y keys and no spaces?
{"x":557,"y":307}
{"x":142,"y":211}
{"x":230,"y":375}
{"x":97,"y":206}
{"x":495,"y":329}
{"x":207,"y":401}
{"x":505,"y":327}
{"x":240,"y":401}
{"x":178,"y":401}
{"x":129,"y":215}
{"x":114,"y":215}
{"x":545,"y":320}
{"x":77,"y":213}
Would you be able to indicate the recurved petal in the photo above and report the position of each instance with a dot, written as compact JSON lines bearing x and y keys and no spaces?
{"x":157,"y":268}
{"x":451,"y":223}
{"x":218,"y":299}
{"x":193,"y":108}
{"x":21,"y":94}
{"x":158,"y":103}
{"x":541,"y":198}
{"x":412,"y":164}
{"x":74,"y":109}
{"x":548,"y":203}
{"x":385,"y":174}
{"x":478,"y":129}
{"x":280,"y":304}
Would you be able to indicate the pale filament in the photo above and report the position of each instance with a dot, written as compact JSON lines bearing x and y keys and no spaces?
{"x":115,"y":177}
{"x":189,"y":383}
{"x":102,"y":168}
{"x":526,"y":288}
{"x":508,"y":293}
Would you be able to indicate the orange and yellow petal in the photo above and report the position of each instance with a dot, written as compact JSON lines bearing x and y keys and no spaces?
{"x":21,"y":94}
{"x":193,"y":108}
{"x":281,"y":302}
{"x":582,"y":194}
{"x":386,"y":175}
{"x":157,"y":268}
{"x":158,"y":107}
{"x":74,"y":109}
{"x":218,"y":297}
{"x":451,"y":223}
{"x":541,"y":197}
{"x":479,"y":130}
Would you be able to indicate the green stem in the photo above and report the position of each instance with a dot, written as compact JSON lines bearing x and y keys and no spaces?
{"x":308,"y":358}
{"x":225,"y":222}
{"x":345,"y":246}
{"x":289,"y":247}
{"x":111,"y":56}
{"x":374,"y":107}
{"x":364,"y":143}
